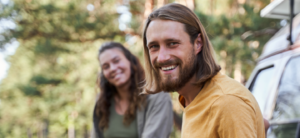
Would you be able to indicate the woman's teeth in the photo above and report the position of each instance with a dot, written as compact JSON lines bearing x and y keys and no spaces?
{"x":116,"y":76}
{"x":168,"y":68}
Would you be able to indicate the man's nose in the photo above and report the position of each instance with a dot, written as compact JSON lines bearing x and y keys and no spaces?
{"x":163,"y":55}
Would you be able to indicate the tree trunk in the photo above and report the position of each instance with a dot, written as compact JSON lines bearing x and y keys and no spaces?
{"x":211,"y":7}
{"x":160,"y":3}
{"x":40,"y":130}
{"x":71,"y":127}
{"x":223,"y":55}
{"x":191,"y":4}
{"x":238,"y":76}
{"x":86,"y":132}
{"x":29,"y":134}
{"x":149,"y":4}
{"x":45,"y":128}
{"x":71,"y":131}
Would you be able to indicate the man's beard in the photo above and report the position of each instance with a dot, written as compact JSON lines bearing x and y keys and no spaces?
{"x":185,"y":74}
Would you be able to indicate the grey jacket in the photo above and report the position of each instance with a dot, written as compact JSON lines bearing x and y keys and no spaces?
{"x":153,"y":121}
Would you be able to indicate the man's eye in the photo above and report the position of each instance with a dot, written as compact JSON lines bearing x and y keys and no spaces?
{"x":153,"y":46}
{"x":173,"y":43}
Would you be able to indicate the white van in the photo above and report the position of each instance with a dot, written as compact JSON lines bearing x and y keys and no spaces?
{"x":275,"y":81}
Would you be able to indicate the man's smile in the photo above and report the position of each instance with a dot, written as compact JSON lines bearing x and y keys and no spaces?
{"x":167,"y":68}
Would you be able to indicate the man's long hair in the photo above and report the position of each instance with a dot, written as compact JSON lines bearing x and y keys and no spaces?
{"x":108,"y":91}
{"x":206,"y":66}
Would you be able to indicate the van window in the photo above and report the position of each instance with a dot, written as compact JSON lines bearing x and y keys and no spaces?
{"x":287,"y":130}
{"x":288,"y":103}
{"x":261,"y":85}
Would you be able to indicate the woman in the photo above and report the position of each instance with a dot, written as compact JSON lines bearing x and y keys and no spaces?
{"x":121,"y":111}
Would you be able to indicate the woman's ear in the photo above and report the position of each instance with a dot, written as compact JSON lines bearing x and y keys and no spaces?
{"x":198,"y":44}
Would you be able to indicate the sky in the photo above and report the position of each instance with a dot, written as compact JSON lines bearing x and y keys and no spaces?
{"x":10,"y":48}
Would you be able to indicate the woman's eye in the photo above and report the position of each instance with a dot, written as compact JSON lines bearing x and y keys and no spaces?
{"x":116,"y":61}
{"x":105,"y":67}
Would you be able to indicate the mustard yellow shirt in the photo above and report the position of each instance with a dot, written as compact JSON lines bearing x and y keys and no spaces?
{"x":223,"y":108}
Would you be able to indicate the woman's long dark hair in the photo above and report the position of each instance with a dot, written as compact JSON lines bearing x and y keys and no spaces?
{"x":108,"y":90}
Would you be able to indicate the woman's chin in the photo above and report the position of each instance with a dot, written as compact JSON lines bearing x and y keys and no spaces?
{"x":120,"y":84}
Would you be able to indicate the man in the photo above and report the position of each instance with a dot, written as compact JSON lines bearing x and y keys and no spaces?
{"x":179,"y":57}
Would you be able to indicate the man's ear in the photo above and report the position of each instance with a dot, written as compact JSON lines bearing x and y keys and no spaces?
{"x":198,"y":44}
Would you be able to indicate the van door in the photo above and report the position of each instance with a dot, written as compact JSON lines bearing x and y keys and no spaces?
{"x":285,"y":122}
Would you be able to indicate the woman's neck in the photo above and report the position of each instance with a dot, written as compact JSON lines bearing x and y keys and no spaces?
{"x":123,"y":93}
{"x":122,"y":100}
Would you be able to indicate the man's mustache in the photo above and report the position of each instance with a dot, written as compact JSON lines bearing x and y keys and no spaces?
{"x":173,"y":61}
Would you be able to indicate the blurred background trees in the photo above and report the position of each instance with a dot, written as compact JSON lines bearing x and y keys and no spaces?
{"x":49,"y":90}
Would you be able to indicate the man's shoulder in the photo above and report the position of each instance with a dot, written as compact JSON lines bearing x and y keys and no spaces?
{"x":230,"y":89}
{"x":228,"y":85}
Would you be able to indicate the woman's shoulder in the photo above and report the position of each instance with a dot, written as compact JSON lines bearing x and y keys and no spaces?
{"x":159,"y":97}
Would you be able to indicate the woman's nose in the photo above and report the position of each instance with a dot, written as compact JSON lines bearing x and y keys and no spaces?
{"x":113,"y":67}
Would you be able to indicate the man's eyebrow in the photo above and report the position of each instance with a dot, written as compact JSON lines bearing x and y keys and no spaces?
{"x":171,"y":39}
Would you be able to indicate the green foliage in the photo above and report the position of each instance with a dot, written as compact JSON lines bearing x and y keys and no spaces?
{"x":226,"y":34}
{"x":50,"y":86}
